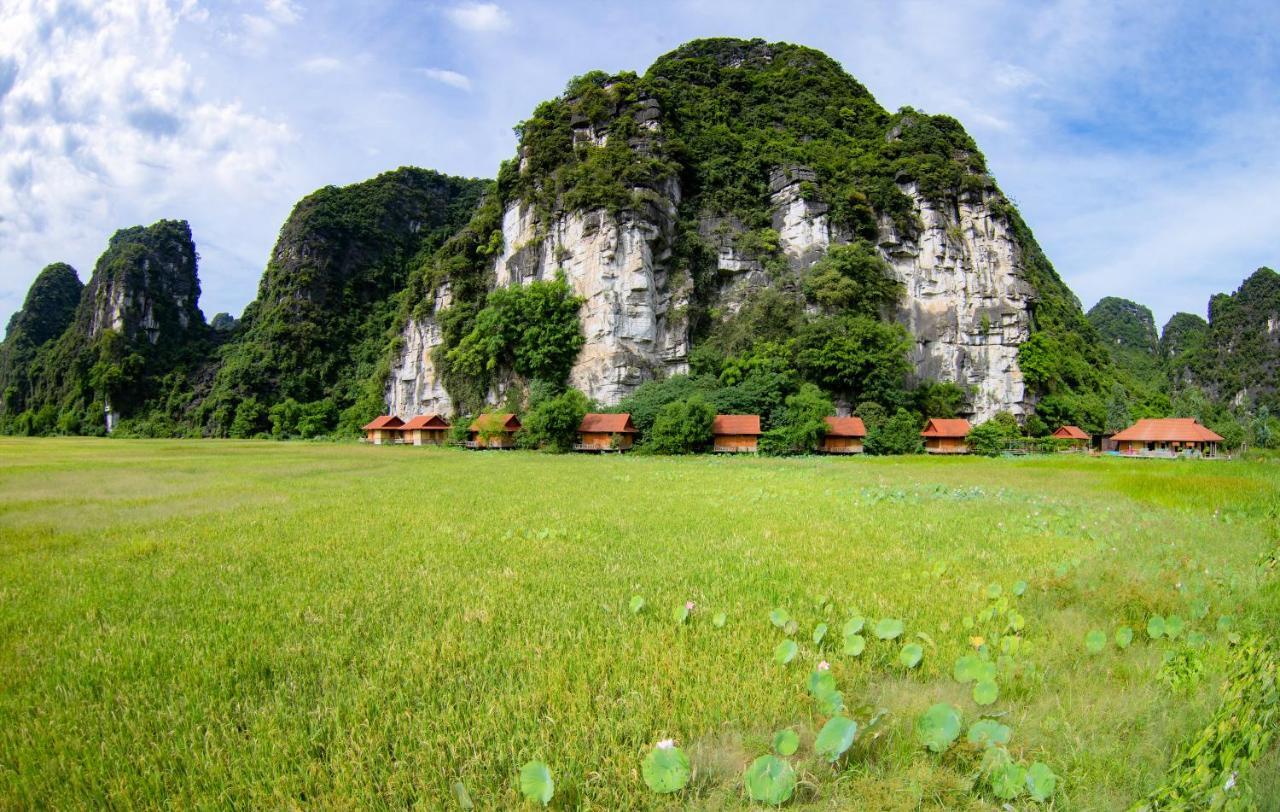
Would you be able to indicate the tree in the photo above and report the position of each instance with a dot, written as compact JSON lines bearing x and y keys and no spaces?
{"x":683,"y":427}
{"x":802,"y":425}
{"x":899,"y":434}
{"x":855,"y":356}
{"x":940,"y":399}
{"x":249,"y":420}
{"x":992,"y":437}
{"x":552,"y":422}
{"x":873,"y":414}
{"x":853,"y":279}
{"x":530,"y":329}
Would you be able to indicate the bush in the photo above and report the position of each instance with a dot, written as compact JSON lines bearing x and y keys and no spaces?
{"x":801,"y":427}
{"x":899,"y":434}
{"x":683,"y":427}
{"x":552,"y":422}
{"x":990,"y":439}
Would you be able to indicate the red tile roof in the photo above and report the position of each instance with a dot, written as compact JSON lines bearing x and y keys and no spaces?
{"x":426,"y":421}
{"x":1167,"y":430}
{"x":606,"y":424}
{"x":508,"y":422}
{"x":736,"y":424}
{"x":1070,"y":433}
{"x":387,"y":422}
{"x":845,"y":427}
{"x":946,"y":427}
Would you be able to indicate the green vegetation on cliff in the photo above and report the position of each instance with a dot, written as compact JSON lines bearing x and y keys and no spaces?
{"x":134,"y":344}
{"x":319,"y":327}
{"x":47,"y":311}
{"x":726,"y":119}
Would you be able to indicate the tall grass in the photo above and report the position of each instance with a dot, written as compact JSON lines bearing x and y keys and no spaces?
{"x":223,"y":624}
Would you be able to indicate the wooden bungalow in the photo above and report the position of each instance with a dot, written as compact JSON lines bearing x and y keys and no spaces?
{"x":605,"y":432}
{"x":736,"y":433}
{"x":384,"y":430}
{"x":1074,"y":438}
{"x":945,"y":435}
{"x":844,"y":436}
{"x":493,"y":431}
{"x":426,"y":429}
{"x":1167,"y":437}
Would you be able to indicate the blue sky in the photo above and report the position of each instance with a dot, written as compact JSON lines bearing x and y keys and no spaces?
{"x":1141,"y":140}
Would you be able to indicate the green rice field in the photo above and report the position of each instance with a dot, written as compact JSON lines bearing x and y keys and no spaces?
{"x":258,"y":625}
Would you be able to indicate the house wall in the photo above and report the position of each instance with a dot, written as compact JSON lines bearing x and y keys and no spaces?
{"x":504,"y":440}
{"x":842,"y":445}
{"x":426,"y":436}
{"x":736,"y":443}
{"x":946,"y":445}
{"x":603,"y":441}
{"x":382,"y":436}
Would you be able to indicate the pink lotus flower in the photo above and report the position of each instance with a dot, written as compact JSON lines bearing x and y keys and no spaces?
{"x":667,"y":744}
{"x":689,"y":605}
{"x":824,"y":666}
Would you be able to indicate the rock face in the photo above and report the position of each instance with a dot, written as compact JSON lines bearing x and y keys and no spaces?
{"x":1236,"y":358}
{"x":966,"y":302}
{"x":145,"y":286}
{"x":631,"y":313}
{"x":46,"y":313}
{"x":325,"y":302}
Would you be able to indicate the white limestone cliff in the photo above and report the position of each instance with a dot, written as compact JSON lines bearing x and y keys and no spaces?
{"x":966,"y":303}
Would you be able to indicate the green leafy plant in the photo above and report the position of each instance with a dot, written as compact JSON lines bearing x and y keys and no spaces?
{"x":785,"y":652}
{"x":1095,"y":641}
{"x":854,"y":645}
{"x":819,"y":633}
{"x":911,"y":655}
{"x":770,"y":780}
{"x":719,"y":620}
{"x":985,"y":692}
{"x":536,"y":784}
{"x":779,"y":617}
{"x":636,"y":605}
{"x":1041,"y":782}
{"x":1008,"y":780}
{"x":666,"y":768}
{"x":835,"y":737}
{"x":938,"y":727}
{"x":889,"y":628}
{"x":1124,"y":636}
{"x":853,"y":625}
{"x":786,"y":742}
{"x":989,"y":733}
{"x":1155,"y":627}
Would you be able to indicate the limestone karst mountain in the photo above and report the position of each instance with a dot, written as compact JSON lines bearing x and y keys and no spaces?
{"x":675,"y":201}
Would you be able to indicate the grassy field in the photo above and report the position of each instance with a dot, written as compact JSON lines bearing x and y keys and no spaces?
{"x":264,"y":625}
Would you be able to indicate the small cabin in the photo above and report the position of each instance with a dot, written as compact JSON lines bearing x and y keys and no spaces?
{"x":1073,"y":437}
{"x":945,"y":435}
{"x":736,"y":434}
{"x":605,"y":432}
{"x":493,"y":431}
{"x":426,"y":429}
{"x":384,"y":430}
{"x":1167,"y":437}
{"x":844,"y":435}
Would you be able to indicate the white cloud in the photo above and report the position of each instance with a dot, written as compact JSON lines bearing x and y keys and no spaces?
{"x":479,"y":17}
{"x":105,"y":126}
{"x":448,"y":77}
{"x":321,"y":64}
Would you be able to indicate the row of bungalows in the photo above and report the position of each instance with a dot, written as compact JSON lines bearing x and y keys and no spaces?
{"x":740,"y":434}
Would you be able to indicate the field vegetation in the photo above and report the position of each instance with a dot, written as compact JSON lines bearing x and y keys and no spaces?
{"x":277,"y":625}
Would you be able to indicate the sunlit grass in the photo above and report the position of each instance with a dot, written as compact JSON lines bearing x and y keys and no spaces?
{"x":275,"y":625}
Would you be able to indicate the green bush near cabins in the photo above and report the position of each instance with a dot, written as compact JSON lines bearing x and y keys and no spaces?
{"x":257,"y":624}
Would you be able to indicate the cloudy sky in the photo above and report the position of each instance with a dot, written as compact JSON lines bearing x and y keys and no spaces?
{"x":1141,"y":140}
